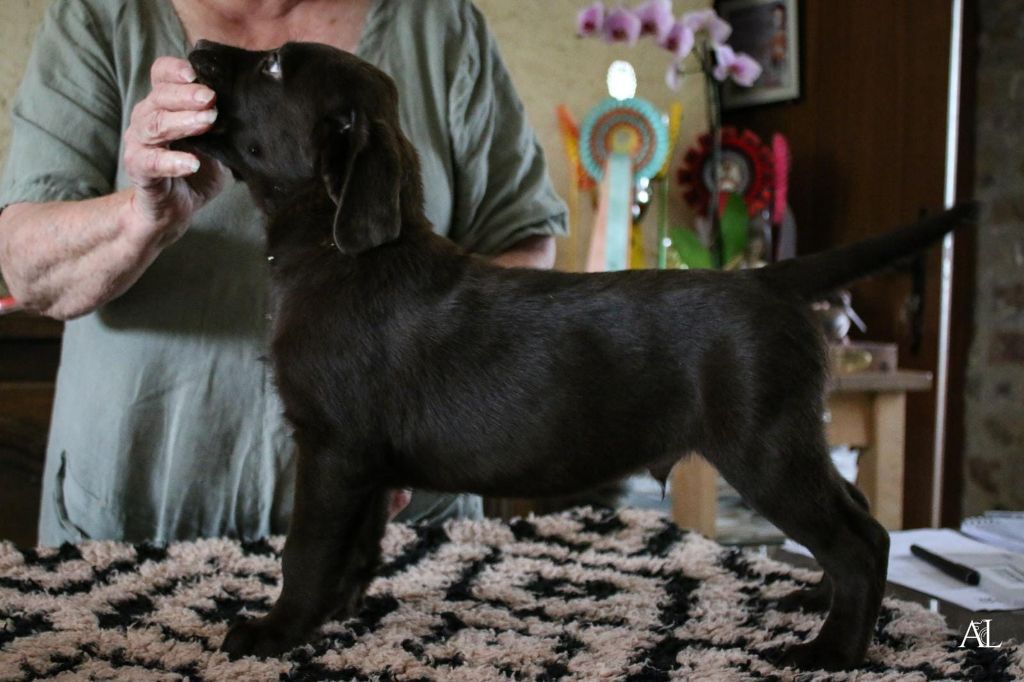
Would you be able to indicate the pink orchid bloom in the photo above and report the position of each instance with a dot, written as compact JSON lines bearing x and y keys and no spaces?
{"x":707,"y":20}
{"x":743,"y":68}
{"x":724,"y":59}
{"x":590,"y":20}
{"x":655,"y":18}
{"x":621,"y":26}
{"x":674,"y":75}
{"x":678,"y":41}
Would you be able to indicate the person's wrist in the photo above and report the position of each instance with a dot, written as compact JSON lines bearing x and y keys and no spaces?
{"x":147,"y":231}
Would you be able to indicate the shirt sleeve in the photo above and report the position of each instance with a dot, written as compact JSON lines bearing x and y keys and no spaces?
{"x":502,"y":191}
{"x":66,"y":117}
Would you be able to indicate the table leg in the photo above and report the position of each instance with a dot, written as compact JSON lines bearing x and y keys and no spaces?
{"x":695,"y":495}
{"x":880,"y":473}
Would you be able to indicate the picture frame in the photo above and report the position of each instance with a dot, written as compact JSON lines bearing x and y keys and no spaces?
{"x":767,"y":30}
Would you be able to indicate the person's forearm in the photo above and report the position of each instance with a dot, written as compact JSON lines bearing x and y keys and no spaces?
{"x":533,"y":252}
{"x":65,"y":259}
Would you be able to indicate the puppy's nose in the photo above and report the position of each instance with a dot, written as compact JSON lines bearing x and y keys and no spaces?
{"x":204,"y":44}
{"x":205,"y":59}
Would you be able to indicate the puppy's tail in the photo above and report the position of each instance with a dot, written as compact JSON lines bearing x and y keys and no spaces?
{"x":812,"y":276}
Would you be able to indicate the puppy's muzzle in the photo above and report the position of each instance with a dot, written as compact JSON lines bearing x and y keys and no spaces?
{"x":207,"y":62}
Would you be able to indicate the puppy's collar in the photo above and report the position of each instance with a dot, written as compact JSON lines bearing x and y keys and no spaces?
{"x":325,"y":244}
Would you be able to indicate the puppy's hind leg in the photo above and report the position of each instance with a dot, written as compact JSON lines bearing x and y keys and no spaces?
{"x":794,"y":485}
{"x":332,"y":549}
{"x":818,"y":597}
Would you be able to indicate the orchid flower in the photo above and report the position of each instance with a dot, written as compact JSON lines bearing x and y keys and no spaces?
{"x":621,"y":26}
{"x":678,"y":41}
{"x":743,"y":68}
{"x":655,"y":18}
{"x":707,"y":20}
{"x":590,"y":20}
{"x":673,"y":76}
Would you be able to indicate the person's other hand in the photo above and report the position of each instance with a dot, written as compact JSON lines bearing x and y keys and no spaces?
{"x":397,"y":501}
{"x":170,"y":186}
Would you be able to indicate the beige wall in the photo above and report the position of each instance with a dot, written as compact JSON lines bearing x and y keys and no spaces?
{"x":549,"y":66}
{"x":19,"y":20}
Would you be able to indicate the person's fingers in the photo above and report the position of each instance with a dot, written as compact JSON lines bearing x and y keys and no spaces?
{"x":147,"y":166}
{"x":171,"y":70}
{"x":209,"y":180}
{"x":158,"y":126}
{"x":397,"y":501}
{"x":179,"y":97}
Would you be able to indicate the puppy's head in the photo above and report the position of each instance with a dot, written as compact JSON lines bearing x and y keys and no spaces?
{"x":308,"y":115}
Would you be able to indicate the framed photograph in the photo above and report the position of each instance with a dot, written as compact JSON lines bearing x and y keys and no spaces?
{"x":767,"y":30}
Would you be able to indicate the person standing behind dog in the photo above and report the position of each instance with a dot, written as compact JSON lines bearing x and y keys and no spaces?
{"x":165,"y":423}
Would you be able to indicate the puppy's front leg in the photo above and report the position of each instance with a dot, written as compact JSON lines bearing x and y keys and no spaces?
{"x":332,"y":549}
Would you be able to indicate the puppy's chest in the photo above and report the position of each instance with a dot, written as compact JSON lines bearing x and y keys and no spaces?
{"x":324,"y":325}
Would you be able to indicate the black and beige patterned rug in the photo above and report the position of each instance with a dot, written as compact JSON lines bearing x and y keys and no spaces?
{"x":578,"y":596}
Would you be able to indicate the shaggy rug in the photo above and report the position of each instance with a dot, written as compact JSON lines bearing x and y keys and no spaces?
{"x":579,"y":596}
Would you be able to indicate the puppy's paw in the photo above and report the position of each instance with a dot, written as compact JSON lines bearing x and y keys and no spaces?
{"x":258,"y":637}
{"x":817,"y":656}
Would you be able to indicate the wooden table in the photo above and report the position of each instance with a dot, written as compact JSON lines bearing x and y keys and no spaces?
{"x":866,"y":411}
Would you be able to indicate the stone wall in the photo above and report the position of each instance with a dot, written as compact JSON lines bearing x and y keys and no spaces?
{"x":994,"y":458}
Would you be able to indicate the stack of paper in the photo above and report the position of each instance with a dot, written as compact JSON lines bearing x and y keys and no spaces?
{"x":1002,"y":529}
{"x":1002,"y":573}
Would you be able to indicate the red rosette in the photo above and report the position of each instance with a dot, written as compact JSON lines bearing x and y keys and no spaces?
{"x":747,"y":162}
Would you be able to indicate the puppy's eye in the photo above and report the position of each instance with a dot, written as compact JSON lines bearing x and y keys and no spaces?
{"x":254,"y":150}
{"x":272,"y":65}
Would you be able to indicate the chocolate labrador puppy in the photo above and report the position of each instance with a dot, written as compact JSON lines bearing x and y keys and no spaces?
{"x":404,"y":362}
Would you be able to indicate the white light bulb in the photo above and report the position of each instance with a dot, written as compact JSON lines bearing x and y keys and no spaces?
{"x":621,"y":80}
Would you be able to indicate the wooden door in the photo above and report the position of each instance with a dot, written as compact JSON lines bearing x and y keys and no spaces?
{"x":868,"y":138}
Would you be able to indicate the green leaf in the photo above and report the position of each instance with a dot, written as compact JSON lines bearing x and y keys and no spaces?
{"x":735,"y":228}
{"x":691,"y":252}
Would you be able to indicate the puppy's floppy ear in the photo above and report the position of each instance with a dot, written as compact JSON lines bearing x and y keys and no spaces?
{"x":360,"y":169}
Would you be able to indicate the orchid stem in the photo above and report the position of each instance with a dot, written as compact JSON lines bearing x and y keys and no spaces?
{"x":714,"y":108}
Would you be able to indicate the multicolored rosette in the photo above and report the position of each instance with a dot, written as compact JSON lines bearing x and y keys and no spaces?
{"x":633,"y":127}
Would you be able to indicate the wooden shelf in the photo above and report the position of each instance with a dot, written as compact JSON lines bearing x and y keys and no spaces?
{"x":881,"y":382}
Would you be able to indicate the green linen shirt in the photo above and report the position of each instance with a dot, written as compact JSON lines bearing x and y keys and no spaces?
{"x":166,"y":424}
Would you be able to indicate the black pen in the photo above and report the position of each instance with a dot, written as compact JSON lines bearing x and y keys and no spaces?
{"x":964,"y":574}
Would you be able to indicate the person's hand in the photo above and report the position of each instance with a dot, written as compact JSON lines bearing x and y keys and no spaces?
{"x":170,"y":186}
{"x":397,"y":501}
